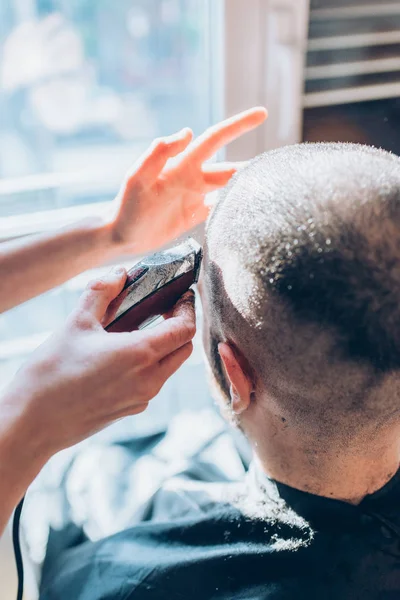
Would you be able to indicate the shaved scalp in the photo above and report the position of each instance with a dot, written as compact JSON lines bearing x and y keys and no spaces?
{"x":303,"y":276}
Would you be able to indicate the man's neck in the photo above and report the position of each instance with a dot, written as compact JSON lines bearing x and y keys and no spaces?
{"x":344,"y":471}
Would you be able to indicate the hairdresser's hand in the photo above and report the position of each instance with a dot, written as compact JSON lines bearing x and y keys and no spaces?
{"x":84,"y":378}
{"x":161,"y":201}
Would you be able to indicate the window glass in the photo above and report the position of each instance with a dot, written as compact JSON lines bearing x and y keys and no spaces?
{"x":86,"y":84}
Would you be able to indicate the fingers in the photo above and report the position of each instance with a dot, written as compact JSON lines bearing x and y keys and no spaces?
{"x":146,"y":171}
{"x":218,"y":136}
{"x":236,"y":165}
{"x":170,"y":364}
{"x":100,"y":292}
{"x":173,"y":333}
{"x":112,"y":310}
{"x":217,"y":176}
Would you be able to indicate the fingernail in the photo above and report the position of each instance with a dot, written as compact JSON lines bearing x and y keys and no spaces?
{"x":118,"y":270}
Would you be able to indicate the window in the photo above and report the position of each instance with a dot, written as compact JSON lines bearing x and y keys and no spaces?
{"x":85,"y":86}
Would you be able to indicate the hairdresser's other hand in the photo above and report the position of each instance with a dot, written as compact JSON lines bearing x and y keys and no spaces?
{"x":161,"y":201}
{"x":84,"y":378}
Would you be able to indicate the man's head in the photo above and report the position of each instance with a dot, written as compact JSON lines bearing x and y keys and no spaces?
{"x":301,"y":290}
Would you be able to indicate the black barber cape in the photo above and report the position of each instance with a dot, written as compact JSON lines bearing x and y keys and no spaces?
{"x":179,"y":514}
{"x":256,"y":540}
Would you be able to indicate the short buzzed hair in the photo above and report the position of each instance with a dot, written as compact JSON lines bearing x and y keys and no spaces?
{"x":314,"y":232}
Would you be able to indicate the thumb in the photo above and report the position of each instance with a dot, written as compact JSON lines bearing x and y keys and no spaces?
{"x":99,"y":293}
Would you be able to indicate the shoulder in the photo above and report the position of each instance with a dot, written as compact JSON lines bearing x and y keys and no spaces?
{"x":183,"y":497}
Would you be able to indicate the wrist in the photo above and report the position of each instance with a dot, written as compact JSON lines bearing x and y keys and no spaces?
{"x":114,"y":240}
{"x":21,"y":460}
{"x":103,"y":240}
{"x":22,"y":456}
{"x":24,"y":449}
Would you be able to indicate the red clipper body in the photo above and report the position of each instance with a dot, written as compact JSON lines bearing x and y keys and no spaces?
{"x":154,"y":285}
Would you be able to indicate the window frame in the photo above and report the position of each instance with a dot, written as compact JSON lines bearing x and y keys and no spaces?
{"x":269,"y":52}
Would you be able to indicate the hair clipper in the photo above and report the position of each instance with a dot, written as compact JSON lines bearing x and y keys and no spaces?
{"x":154,"y":285}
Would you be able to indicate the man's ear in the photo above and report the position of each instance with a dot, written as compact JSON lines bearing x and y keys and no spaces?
{"x":241,"y":384}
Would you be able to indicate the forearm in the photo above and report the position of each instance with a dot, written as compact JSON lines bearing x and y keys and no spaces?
{"x":34,"y":265}
{"x":22,"y":456}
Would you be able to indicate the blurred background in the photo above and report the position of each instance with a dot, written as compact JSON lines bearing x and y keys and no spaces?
{"x":85,"y":85}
